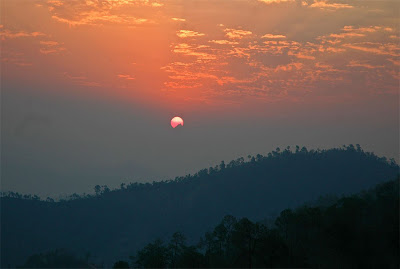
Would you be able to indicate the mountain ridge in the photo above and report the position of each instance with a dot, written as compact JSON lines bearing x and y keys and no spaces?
{"x":125,"y":219}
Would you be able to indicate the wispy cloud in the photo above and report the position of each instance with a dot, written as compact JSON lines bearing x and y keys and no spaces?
{"x":329,"y":6}
{"x":354,"y":63}
{"x":271,"y":36}
{"x":200,"y":52}
{"x":51,"y":47}
{"x":237,"y":33}
{"x":78,"y":12}
{"x":16,"y":58}
{"x":188,"y":33}
{"x":124,"y":76}
{"x":81,"y":80}
{"x":96,"y":18}
{"x":376,"y":48}
{"x":7,"y":34}
{"x":224,"y":42}
{"x":321,"y":4}
{"x":275,"y":1}
{"x":178,"y":19}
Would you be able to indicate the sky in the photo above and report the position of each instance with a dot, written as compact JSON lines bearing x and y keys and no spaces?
{"x":89,"y":87}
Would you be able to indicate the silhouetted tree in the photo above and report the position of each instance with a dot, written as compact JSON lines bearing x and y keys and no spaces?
{"x":121,"y":264}
{"x":60,"y":258}
{"x":154,"y":255}
{"x":97,"y":189}
{"x":339,"y":235}
{"x":176,"y":247}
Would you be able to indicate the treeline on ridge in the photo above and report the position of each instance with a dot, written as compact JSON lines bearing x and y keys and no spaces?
{"x":298,"y":154}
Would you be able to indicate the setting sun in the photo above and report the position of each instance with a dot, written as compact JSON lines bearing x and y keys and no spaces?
{"x":176,"y":121}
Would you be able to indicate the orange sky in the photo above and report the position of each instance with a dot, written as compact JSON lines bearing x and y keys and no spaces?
{"x":208,"y":53}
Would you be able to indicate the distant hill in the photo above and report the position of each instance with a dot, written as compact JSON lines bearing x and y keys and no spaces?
{"x":113,"y":224}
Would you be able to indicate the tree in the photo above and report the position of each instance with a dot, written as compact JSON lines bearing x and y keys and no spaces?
{"x":244,"y":240}
{"x":176,"y":246}
{"x":105,"y":189}
{"x":154,"y":255}
{"x":191,"y":258}
{"x":97,"y":189}
{"x":222,"y":165}
{"x":59,"y":258}
{"x":121,"y":264}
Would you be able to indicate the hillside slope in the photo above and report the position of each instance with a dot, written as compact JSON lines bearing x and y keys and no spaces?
{"x":113,"y":224}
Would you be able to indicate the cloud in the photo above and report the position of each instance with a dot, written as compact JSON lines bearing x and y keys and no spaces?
{"x":7,"y":34}
{"x":329,"y":6}
{"x":321,"y":4}
{"x":13,"y":57}
{"x":223,"y":42}
{"x":51,"y":50}
{"x":81,"y":80}
{"x":239,"y":52}
{"x":271,"y":36}
{"x":370,"y":29}
{"x":127,"y":77}
{"x":394,"y":61}
{"x":349,"y":34}
{"x":376,"y":48}
{"x":237,"y":33}
{"x":67,"y":75}
{"x":188,"y":33}
{"x":17,"y":61}
{"x":99,"y":17}
{"x":279,"y":47}
{"x":178,"y":19}
{"x":233,"y":80}
{"x":200,"y":52}
{"x":302,"y":54}
{"x":275,"y":1}
{"x":78,"y":12}
{"x":289,"y":67}
{"x":50,"y":43}
{"x":364,"y":65}
{"x":51,"y":47}
{"x":344,"y":35}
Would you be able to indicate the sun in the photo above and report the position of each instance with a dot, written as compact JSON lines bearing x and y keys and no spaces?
{"x":176,"y":121}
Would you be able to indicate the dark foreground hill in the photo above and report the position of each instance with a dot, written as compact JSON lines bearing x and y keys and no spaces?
{"x":114,"y":224}
{"x":357,"y":231}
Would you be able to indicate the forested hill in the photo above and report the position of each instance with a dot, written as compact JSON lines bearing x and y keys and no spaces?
{"x":113,"y":224}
